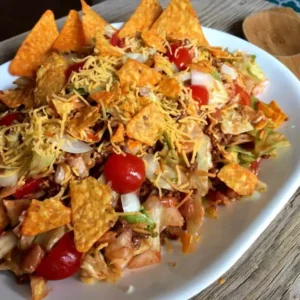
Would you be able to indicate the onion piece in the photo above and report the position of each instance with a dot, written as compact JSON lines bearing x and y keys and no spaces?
{"x":175,"y":68}
{"x":184,"y":76}
{"x":137,"y":56}
{"x":9,"y":179}
{"x":228,"y":70}
{"x":8,"y":241}
{"x":109,"y":30}
{"x":74,"y":146}
{"x":144,"y":91}
{"x":130,"y":202}
{"x":201,"y":78}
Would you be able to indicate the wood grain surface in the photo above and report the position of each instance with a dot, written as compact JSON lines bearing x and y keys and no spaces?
{"x":270,"y":269}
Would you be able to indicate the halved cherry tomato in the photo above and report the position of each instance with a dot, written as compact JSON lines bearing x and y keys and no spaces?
{"x":74,"y":68}
{"x":29,"y":187}
{"x":116,"y":41}
{"x":180,"y":57}
{"x":63,"y":260}
{"x":200,"y":94}
{"x":8,"y":119}
{"x":125,"y":173}
{"x":255,"y":166}
{"x":244,"y":96}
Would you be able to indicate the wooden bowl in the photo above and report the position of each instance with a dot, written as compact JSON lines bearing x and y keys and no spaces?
{"x":278,"y":33}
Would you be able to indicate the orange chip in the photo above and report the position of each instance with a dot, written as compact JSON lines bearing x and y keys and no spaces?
{"x":279,"y":115}
{"x":45,"y":215}
{"x":35,"y":47}
{"x":71,"y":37}
{"x":39,"y":289}
{"x":118,"y":137}
{"x":134,"y":73}
{"x":241,"y":180}
{"x":163,"y":64}
{"x":3,"y":217}
{"x":179,"y":21}
{"x":146,"y":125}
{"x":50,"y":78}
{"x":141,"y":20}
{"x":170,"y":87}
{"x":92,"y":213}
{"x":103,"y":47}
{"x":202,"y":66}
{"x":91,"y":22}
{"x":154,"y":40}
{"x":17,"y":97}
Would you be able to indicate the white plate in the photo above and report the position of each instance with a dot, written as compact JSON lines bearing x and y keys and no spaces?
{"x":223,"y":240}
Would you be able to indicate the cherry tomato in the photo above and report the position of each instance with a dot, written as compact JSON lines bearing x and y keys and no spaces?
{"x":244,"y":96}
{"x":63,"y":260}
{"x":181,"y":58}
{"x":125,"y":173}
{"x":29,"y":187}
{"x":255,"y":166}
{"x":8,"y":119}
{"x":116,"y":41}
{"x":200,"y":94}
{"x":74,"y":68}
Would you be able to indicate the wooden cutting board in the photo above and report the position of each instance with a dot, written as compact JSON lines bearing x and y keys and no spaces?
{"x":278,"y":32}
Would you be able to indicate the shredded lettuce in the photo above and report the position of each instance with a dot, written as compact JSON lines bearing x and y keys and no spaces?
{"x":40,"y":163}
{"x":233,"y":123}
{"x":254,"y":102}
{"x":242,"y":156}
{"x":215,"y":74}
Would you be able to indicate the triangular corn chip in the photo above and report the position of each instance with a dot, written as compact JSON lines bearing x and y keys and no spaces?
{"x":91,"y":22}
{"x":45,"y":215}
{"x":35,"y":47}
{"x":71,"y":37}
{"x":169,"y":87}
{"x":142,"y":19}
{"x":92,"y":213}
{"x":104,"y":48}
{"x":179,"y":21}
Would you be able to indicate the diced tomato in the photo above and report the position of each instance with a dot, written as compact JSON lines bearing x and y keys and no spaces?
{"x":244,"y":96}
{"x":200,"y":94}
{"x":8,"y":119}
{"x":28,"y":188}
{"x":125,"y":173}
{"x":63,"y":260}
{"x":217,"y":196}
{"x":116,"y":41}
{"x":180,"y":57}
{"x":255,"y":166}
{"x":74,"y":68}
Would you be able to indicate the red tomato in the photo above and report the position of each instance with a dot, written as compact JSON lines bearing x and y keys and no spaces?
{"x":244,"y":96}
{"x":116,"y":41}
{"x":255,"y":166}
{"x":74,"y":68}
{"x":126,"y":173}
{"x":181,"y":58}
{"x":200,"y":94}
{"x":63,"y":260}
{"x":8,"y":119}
{"x":29,"y":187}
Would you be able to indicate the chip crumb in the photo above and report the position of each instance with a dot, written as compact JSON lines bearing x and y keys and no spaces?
{"x":130,"y":290}
{"x":221,"y":281}
{"x":173,"y":264}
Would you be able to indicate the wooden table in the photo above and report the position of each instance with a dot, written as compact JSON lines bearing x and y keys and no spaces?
{"x":270,"y":269}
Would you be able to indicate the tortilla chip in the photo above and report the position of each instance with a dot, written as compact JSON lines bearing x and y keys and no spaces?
{"x":134,"y":73}
{"x":63,"y":108}
{"x":39,"y":289}
{"x":92,"y":213}
{"x":170,"y":87}
{"x":103,"y":47}
{"x":84,"y":118}
{"x":164,"y":64}
{"x":35,"y":47}
{"x":15,"y":208}
{"x":45,"y":215}
{"x":179,"y":21}
{"x":152,"y":39}
{"x":3,"y":217}
{"x":142,"y":19}
{"x":71,"y":37}
{"x":202,"y":66}
{"x":50,"y":79}
{"x":146,"y":125}
{"x":104,"y":97}
{"x":118,"y":137}
{"x":91,"y":22}
{"x":241,"y":180}
{"x":17,"y":97}
{"x":279,"y":116}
